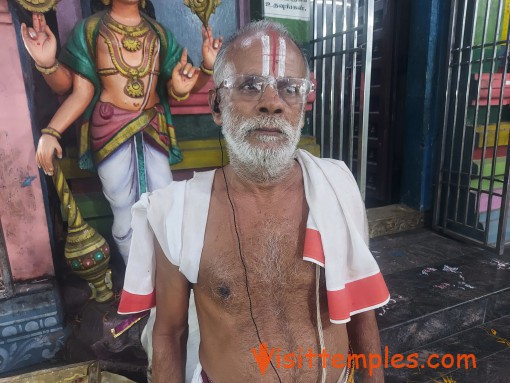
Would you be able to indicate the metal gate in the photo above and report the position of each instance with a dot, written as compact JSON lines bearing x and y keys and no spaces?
{"x":472,"y":188}
{"x":342,"y":56}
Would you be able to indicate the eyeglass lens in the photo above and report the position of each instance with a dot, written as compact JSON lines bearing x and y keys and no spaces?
{"x":291,"y":90}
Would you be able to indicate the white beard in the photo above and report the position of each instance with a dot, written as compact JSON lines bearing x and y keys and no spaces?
{"x":272,"y":158}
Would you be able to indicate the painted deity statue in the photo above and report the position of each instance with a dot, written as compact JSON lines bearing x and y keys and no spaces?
{"x":119,"y":66}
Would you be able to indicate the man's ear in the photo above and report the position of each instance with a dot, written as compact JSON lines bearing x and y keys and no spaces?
{"x":214,"y":103}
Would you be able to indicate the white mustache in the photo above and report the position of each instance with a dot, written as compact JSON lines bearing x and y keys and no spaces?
{"x":252,"y":160}
{"x":266,"y":122}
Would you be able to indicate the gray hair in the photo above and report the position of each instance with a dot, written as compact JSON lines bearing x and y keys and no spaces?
{"x":253,"y":28}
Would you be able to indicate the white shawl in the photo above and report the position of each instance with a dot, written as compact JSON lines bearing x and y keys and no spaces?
{"x":336,"y":237}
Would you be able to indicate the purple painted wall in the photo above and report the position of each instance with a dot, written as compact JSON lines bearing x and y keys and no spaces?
{"x":68,"y":15}
{"x":21,"y":203}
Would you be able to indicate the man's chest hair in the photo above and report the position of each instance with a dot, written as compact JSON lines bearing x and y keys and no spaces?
{"x":272,"y":252}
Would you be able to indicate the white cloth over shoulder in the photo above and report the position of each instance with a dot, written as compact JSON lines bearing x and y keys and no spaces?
{"x":176,"y":216}
{"x":336,"y":237}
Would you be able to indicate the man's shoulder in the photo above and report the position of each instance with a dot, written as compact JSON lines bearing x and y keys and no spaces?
{"x":173,"y":189}
{"x":162,"y":204}
{"x":335,"y":171}
{"x":177,"y":211}
{"x":327,"y":164}
{"x":200,"y":182}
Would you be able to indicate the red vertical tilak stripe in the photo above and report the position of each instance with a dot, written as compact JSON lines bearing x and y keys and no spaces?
{"x":273,"y":44}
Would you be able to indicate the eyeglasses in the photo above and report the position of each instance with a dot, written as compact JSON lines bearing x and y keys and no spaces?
{"x":251,"y":87}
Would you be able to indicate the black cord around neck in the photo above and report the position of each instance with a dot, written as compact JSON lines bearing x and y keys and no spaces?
{"x":241,"y":254}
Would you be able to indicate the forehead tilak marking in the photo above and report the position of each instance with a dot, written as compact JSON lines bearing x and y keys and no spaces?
{"x":274,"y":50}
{"x":278,"y":58}
{"x":273,"y":53}
{"x":282,"y":53}
{"x":265,"y":55}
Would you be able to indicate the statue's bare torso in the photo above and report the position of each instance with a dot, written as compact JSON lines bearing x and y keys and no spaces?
{"x":113,"y":85}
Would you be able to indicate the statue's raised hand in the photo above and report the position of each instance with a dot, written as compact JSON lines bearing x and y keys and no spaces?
{"x":184,"y":76}
{"x":40,"y":41}
{"x":210,"y":47}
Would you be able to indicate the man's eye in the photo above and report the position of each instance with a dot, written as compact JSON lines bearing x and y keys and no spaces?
{"x":250,"y":86}
{"x":291,"y":89}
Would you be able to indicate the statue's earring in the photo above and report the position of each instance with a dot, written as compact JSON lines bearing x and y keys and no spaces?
{"x":106,"y":2}
{"x":143,"y":4}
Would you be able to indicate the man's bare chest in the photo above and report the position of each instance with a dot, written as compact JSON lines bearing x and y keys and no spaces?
{"x":261,"y":252}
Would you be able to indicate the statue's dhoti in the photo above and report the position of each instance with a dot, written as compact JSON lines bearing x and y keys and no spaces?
{"x":131,"y":154}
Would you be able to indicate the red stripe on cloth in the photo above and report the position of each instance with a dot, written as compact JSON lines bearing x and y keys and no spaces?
{"x":134,"y":303}
{"x":313,"y":246}
{"x":363,"y":294}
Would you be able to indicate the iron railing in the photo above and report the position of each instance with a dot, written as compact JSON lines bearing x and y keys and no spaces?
{"x":342,"y":61}
{"x":472,"y":188}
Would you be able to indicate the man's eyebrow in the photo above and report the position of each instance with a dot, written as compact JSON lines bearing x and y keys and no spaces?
{"x":251,"y":74}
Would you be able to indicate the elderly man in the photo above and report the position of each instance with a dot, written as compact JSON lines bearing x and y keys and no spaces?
{"x":274,"y":245}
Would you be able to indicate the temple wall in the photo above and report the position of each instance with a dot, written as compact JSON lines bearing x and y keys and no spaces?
{"x":22,"y":211}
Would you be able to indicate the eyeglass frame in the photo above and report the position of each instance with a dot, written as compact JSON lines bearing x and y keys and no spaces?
{"x":272,"y":81}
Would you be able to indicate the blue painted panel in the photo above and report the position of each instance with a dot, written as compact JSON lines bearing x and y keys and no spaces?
{"x":30,"y":329}
{"x":428,"y":36}
{"x":186,"y":26}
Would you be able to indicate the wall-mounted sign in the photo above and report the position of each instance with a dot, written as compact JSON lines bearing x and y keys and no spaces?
{"x":287,"y":9}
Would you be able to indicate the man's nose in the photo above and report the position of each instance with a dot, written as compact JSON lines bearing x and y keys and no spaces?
{"x":270,"y":102}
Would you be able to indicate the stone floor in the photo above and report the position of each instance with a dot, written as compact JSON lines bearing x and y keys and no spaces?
{"x":446,"y":298}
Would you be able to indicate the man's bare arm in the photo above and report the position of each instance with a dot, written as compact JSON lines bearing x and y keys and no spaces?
{"x":364,"y":338}
{"x":171,"y":326}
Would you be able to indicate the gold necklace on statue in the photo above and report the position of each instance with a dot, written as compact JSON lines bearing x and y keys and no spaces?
{"x":130,"y":34}
{"x":134,"y":87}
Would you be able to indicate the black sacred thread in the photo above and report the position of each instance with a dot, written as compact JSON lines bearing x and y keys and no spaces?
{"x":241,"y":254}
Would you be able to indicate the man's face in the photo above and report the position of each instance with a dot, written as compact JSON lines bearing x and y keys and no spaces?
{"x":263,"y":132}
